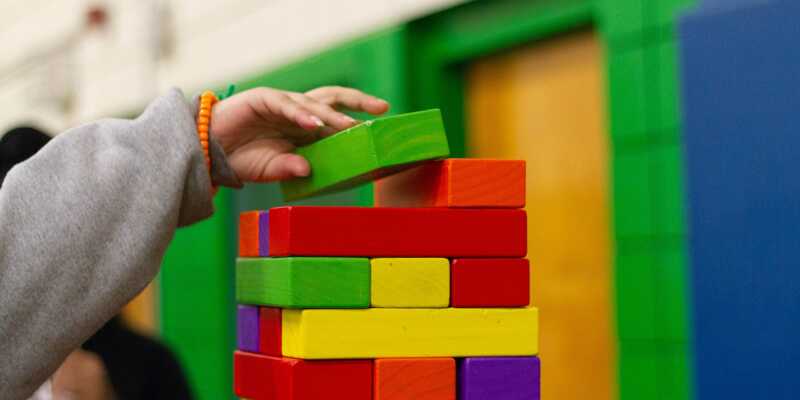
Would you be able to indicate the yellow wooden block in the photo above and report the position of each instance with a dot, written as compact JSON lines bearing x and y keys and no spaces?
{"x":404,"y":332}
{"x":410,"y":282}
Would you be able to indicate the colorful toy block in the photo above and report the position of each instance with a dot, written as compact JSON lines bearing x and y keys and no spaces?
{"x":269,"y":331}
{"x":249,"y":233}
{"x":247,"y":328}
{"x":368,"y":151}
{"x":410,"y":282}
{"x":490,"y":282}
{"x":415,"y":378}
{"x":499,"y":378}
{"x":303,"y":282}
{"x":396,"y":232}
{"x":456,"y":182}
{"x":314,"y":266}
{"x":400,"y":332}
{"x":260,"y":377}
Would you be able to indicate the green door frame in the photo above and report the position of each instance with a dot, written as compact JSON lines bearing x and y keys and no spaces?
{"x":421,"y":65}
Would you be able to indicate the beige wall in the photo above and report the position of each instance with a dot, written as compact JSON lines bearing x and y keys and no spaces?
{"x":55,"y":73}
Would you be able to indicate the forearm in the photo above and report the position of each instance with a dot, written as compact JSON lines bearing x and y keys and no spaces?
{"x":83,"y":227}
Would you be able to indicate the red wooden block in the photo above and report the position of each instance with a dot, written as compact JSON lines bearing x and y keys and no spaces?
{"x":260,"y":377}
{"x":415,"y":378}
{"x":456,"y":182}
{"x":396,"y":232}
{"x":248,"y":233}
{"x":269,"y":331}
{"x":489,"y":282}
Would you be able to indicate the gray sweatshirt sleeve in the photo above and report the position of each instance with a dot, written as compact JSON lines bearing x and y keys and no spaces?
{"x":83,"y":228}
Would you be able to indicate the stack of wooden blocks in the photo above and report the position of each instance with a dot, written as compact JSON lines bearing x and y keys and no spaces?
{"x":425,"y":296}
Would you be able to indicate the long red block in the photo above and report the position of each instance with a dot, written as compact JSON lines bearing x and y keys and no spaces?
{"x":489,"y":282}
{"x":456,"y":182}
{"x":260,"y":377}
{"x":396,"y":232}
{"x":270,"y":331}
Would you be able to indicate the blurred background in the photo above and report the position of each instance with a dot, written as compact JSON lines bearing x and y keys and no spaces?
{"x":592,"y":93}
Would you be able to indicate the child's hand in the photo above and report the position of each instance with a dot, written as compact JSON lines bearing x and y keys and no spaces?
{"x":259,"y":128}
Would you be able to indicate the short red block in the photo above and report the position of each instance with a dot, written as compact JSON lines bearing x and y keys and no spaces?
{"x":260,"y":377}
{"x":415,"y":378}
{"x":456,"y":182}
{"x":396,"y":232}
{"x":248,"y":233}
{"x":489,"y":282}
{"x":269,"y":331}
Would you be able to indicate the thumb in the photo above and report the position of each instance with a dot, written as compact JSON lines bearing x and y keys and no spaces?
{"x":286,"y":166}
{"x":267,"y":160}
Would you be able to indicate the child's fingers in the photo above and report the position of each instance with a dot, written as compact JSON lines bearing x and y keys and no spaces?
{"x":298,"y":113}
{"x":352,"y":99}
{"x":271,"y":104}
{"x":332,"y":118}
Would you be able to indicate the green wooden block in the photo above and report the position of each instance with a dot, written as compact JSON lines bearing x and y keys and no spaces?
{"x":369,"y":151}
{"x":632,"y":200}
{"x":303,"y":282}
{"x":627,"y":94}
{"x":636,"y":294}
{"x":667,"y":187}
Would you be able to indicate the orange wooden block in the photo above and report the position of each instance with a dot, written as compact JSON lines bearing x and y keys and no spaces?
{"x":415,"y":378}
{"x":248,"y":233}
{"x":456,"y":182}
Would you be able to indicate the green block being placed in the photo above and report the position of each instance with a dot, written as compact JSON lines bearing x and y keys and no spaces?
{"x":303,"y":282}
{"x":369,"y":151}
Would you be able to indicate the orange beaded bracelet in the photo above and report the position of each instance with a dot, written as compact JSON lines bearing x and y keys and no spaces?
{"x":207,"y":100}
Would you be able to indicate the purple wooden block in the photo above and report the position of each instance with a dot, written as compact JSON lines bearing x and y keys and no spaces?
{"x":499,"y":378}
{"x":263,"y":234}
{"x":247,"y":328}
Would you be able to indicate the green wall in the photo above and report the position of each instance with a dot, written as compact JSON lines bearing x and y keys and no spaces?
{"x":420,"y":65}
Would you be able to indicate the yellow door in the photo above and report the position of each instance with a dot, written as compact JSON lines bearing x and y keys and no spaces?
{"x":544,"y":103}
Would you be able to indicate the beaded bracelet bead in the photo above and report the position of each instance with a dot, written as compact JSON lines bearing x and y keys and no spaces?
{"x":207,"y":100}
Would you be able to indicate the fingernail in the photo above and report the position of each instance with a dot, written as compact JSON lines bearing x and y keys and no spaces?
{"x":318,"y":122}
{"x":349,"y":119}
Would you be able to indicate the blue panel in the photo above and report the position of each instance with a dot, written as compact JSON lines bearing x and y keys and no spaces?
{"x":729,"y":4}
{"x":741,"y":77}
